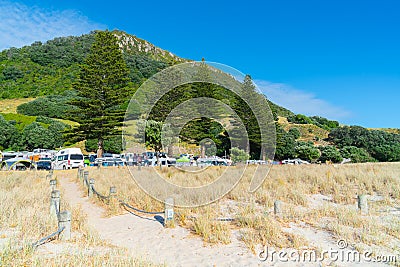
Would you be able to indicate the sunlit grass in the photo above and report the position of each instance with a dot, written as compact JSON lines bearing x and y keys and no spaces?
{"x":10,"y":105}
{"x":25,"y":218}
{"x":293,"y":185}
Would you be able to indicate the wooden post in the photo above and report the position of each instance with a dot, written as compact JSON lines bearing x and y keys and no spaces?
{"x":278,"y":208}
{"x":64,"y":220}
{"x":53,"y":184}
{"x":85,"y":178}
{"x":363,"y":204}
{"x":80,"y":172}
{"x":55,"y":203}
{"x":169,"y":213}
{"x":90,"y":188}
{"x":113,"y":191}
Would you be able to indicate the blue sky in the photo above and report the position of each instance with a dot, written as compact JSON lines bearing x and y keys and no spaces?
{"x":338,"y":59}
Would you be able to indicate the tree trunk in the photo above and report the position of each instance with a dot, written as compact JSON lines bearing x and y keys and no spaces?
{"x":170,"y":149}
{"x":248,"y":148}
{"x":100,"y":149}
{"x":203,"y":150}
{"x":263,"y":156}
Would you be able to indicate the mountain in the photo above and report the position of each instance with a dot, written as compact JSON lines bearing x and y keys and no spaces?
{"x":131,"y":44}
{"x":50,"y":68}
{"x":46,"y":72}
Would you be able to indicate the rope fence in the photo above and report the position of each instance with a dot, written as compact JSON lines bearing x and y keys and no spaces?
{"x":64,"y":218}
{"x":99,"y":195}
{"x":47,"y":238}
{"x":139,"y":210}
{"x":168,"y":212}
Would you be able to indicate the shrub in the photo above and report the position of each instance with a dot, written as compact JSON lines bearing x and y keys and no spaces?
{"x":238,"y":155}
{"x":9,"y":135}
{"x":330,"y":153}
{"x":295,"y":133}
{"x":307,"y":151}
{"x":54,"y":106}
{"x":300,"y":119}
{"x":356,"y":154}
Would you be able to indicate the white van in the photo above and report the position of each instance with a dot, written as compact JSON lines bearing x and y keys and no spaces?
{"x":68,"y":158}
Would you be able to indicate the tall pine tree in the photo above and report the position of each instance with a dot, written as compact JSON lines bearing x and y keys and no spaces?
{"x":102,"y":86}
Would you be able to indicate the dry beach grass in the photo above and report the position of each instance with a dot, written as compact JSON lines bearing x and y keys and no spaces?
{"x":25,"y":218}
{"x":321,"y":196}
{"x":318,"y":197}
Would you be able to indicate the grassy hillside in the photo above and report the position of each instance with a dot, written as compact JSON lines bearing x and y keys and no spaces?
{"x":279,"y":111}
{"x":50,"y":68}
{"x":309,"y":132}
{"x":10,"y":105}
{"x":21,"y":121}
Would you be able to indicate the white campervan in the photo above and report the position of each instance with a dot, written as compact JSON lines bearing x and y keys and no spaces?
{"x":68,"y":158}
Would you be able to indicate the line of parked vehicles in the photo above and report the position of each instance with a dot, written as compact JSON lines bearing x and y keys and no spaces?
{"x":69,"y":158}
{"x":42,"y":159}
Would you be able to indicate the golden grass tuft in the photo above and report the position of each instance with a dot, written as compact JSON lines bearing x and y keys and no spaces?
{"x":10,"y":105}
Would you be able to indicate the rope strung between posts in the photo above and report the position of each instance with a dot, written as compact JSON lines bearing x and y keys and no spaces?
{"x":141,"y":217}
{"x":47,"y":238}
{"x":102,"y":197}
{"x":138,"y":210}
{"x":127,"y":206}
{"x":99,"y":195}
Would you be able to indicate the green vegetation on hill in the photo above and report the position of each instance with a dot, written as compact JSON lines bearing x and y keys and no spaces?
{"x":20,"y":132}
{"x":53,"y":106}
{"x":316,"y":120}
{"x":51,"y":68}
{"x":279,"y":111}
{"x":42,"y":68}
{"x":356,"y":143}
{"x":380,"y":145}
{"x":50,"y":71}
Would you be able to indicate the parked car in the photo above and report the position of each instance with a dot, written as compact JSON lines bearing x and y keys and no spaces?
{"x":108,"y":162}
{"x":68,"y":158}
{"x":132,"y":159}
{"x":44,"y":165}
{"x":294,"y":161}
{"x":118,"y":162}
{"x":202,"y":162}
{"x":150,"y":159}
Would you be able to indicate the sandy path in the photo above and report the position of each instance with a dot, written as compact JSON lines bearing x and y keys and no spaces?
{"x":150,"y":240}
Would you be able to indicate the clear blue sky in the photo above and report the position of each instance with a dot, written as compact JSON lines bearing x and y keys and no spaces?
{"x":339,"y":59}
